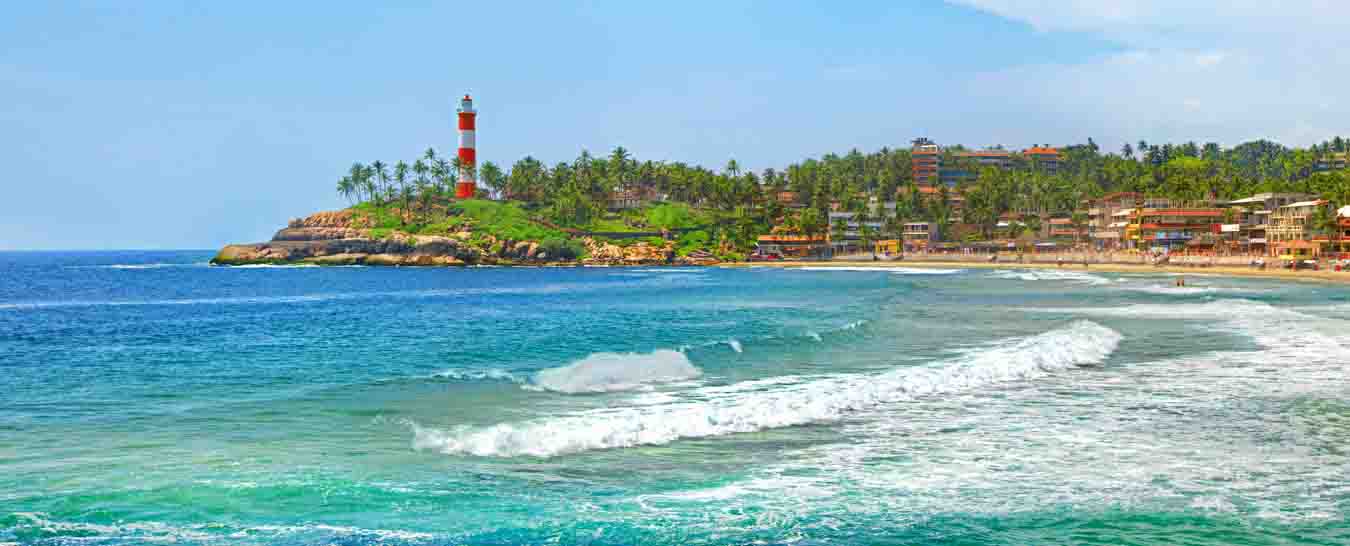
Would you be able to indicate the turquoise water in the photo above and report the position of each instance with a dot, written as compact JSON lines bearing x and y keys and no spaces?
{"x":146,"y":397}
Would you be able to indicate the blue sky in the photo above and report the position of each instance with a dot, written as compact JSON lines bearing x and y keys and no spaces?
{"x":167,"y":125}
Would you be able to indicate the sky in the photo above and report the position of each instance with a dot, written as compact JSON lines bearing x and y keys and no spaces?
{"x":194,"y":124}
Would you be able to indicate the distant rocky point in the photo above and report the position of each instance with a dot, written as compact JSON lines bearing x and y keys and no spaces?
{"x":341,"y":238}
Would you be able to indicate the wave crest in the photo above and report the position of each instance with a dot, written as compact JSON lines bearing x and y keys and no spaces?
{"x":1049,"y":275}
{"x":609,"y":372}
{"x":731,"y":411}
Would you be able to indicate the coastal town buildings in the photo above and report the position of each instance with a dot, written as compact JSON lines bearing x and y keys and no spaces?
{"x":1043,"y":157}
{"x":1158,"y":224}
{"x":1290,"y":229}
{"x":1106,"y":228}
{"x":850,"y":238}
{"x":919,"y":235}
{"x":1252,"y":216}
{"x":925,"y":161}
{"x":1332,"y":162}
{"x":791,"y":245}
{"x":1061,"y":228}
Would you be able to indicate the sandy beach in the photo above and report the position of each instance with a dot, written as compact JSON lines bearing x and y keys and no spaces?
{"x":1324,"y":275}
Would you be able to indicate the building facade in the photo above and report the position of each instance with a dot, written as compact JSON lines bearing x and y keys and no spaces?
{"x":925,"y":161}
{"x":1105,"y":227}
{"x":1172,"y":228}
{"x":1288,"y":229}
{"x":1043,"y":157}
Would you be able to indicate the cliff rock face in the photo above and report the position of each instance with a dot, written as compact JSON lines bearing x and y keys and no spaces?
{"x":339,"y":238}
{"x":329,"y":238}
{"x":642,"y":253}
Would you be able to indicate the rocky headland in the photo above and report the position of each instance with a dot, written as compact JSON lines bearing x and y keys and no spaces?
{"x":342,"y":238}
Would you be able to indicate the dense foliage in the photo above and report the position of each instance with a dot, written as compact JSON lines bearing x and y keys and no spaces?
{"x":733,"y":206}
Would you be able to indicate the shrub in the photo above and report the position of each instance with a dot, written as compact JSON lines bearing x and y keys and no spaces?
{"x":562,"y":249}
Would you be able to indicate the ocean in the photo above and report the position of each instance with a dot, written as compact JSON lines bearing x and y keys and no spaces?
{"x":146,"y":397}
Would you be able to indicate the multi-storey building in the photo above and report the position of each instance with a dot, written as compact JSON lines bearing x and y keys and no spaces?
{"x":919,"y":235}
{"x":1061,"y":228}
{"x":1043,"y":157}
{"x":850,"y":238}
{"x":925,"y":161}
{"x":1105,"y":227}
{"x":1332,"y":162}
{"x":1289,"y":225}
{"x":1252,"y":216}
{"x":967,"y":165}
{"x":1171,"y":227}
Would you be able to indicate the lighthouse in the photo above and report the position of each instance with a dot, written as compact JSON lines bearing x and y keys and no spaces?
{"x":468,"y":175}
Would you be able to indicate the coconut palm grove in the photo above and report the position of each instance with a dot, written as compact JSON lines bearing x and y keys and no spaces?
{"x":959,"y":191}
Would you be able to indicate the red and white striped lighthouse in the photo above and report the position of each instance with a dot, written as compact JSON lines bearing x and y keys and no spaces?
{"x":468,"y":174}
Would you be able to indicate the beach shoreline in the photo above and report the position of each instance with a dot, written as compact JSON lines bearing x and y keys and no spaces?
{"x":1323,"y":276}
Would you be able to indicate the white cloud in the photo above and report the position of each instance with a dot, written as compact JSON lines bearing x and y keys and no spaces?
{"x":1196,"y":70}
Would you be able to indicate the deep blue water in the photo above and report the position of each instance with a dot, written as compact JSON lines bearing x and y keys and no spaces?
{"x":147,"y":397}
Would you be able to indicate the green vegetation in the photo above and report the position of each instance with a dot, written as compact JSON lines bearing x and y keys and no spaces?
{"x":730,"y":208}
{"x":567,"y":249}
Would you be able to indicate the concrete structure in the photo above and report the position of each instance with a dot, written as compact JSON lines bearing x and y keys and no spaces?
{"x":849,"y":239}
{"x":919,"y":235}
{"x":468,"y":160}
{"x":789,"y":199}
{"x":793,"y":246}
{"x":1043,"y":157}
{"x":925,"y":161}
{"x":1252,"y":216}
{"x":1105,"y":228}
{"x":626,"y":199}
{"x":969,"y":164}
{"x":1172,"y":227}
{"x":1061,"y":228}
{"x":1289,"y":226}
{"x":1332,"y":162}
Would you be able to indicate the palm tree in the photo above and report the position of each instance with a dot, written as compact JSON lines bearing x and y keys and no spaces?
{"x":357,"y":173}
{"x":733,"y":168}
{"x":619,"y":161}
{"x":346,"y":188}
{"x":1078,"y":219}
{"x":1323,"y":222}
{"x":380,"y":173}
{"x":401,"y":177}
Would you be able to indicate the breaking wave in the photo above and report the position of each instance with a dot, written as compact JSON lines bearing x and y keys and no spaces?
{"x":888,"y":269}
{"x":1049,"y":275}
{"x":490,"y":374}
{"x":730,"y":411}
{"x":609,"y":372}
{"x":41,"y":525}
{"x":1169,"y":290}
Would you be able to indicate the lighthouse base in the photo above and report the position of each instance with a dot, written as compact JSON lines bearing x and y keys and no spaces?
{"x":465,"y":190}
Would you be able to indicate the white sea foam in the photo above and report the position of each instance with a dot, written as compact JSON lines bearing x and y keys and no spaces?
{"x":735,"y":345}
{"x":204,"y":532}
{"x":1049,"y":275}
{"x":822,"y":400}
{"x":139,"y":266}
{"x":270,"y":266}
{"x":1172,"y":290}
{"x":490,"y":374}
{"x":888,"y":269}
{"x":609,"y":372}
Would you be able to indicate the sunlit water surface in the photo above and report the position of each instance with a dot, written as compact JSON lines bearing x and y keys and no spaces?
{"x":147,"y":397}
